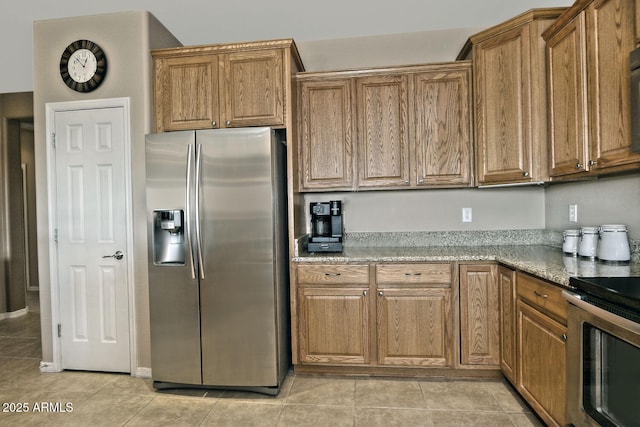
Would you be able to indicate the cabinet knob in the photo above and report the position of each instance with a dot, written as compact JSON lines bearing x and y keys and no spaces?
{"x":592,"y":163}
{"x":214,"y":123}
{"x":525,"y":174}
{"x":406,"y":182}
{"x":579,"y":165}
{"x":365,"y":293}
{"x":564,"y":337}
{"x":420,"y":181}
{"x":381,"y":293}
{"x":228,"y":122}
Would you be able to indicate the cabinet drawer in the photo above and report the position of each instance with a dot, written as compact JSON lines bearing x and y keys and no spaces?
{"x":421,"y":273}
{"x":333,"y":274}
{"x":547,"y":297}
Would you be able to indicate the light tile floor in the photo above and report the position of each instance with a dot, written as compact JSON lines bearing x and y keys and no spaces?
{"x":102,"y":399}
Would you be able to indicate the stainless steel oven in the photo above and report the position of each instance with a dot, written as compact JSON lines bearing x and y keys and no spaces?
{"x":603,"y":353}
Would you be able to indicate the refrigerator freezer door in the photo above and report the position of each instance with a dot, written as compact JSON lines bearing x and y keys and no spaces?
{"x":236,"y":198}
{"x":173,"y":287}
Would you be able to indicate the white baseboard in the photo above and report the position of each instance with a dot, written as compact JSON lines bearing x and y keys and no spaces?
{"x":49,"y":367}
{"x":12,"y":314}
{"x":143,"y":372}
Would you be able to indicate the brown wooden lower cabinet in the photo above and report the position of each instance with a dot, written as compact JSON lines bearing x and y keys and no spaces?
{"x":333,"y":325}
{"x":508,"y":323}
{"x":414,"y":327}
{"x":479,"y":315}
{"x":542,"y":350}
{"x":377,"y":315}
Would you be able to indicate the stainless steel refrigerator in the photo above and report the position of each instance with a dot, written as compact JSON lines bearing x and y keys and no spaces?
{"x":218,"y":262}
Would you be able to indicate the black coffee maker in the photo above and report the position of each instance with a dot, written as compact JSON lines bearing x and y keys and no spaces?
{"x":326,"y":226}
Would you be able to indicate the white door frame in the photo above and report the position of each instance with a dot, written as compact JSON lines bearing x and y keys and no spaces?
{"x":51,"y":109}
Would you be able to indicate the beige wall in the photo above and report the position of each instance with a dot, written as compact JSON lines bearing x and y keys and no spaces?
{"x":393,"y":49}
{"x":126,"y":38}
{"x":514,"y":208}
{"x":614,"y":200}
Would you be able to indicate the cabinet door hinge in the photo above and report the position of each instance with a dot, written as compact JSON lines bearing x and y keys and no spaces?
{"x":59,"y":330}
{"x":53,"y":139}
{"x":55,"y":235}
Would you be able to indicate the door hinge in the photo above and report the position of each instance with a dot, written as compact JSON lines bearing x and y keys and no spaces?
{"x":59,"y":330}
{"x":55,"y":235}
{"x":53,"y":139}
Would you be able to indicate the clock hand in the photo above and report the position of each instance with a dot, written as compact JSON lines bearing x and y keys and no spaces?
{"x":78,"y":61}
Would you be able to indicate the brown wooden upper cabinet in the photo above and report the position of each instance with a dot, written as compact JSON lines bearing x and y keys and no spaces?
{"x":386,"y":128}
{"x":588,"y":58}
{"x":326,"y":132}
{"x":510,"y":99}
{"x":229,"y":85}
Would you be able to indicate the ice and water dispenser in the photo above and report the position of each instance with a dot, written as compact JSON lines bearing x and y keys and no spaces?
{"x":168,"y":237}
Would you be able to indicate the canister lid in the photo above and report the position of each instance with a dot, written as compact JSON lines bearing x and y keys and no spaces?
{"x":571,"y":232}
{"x":613,"y":227}
{"x":589,"y":230}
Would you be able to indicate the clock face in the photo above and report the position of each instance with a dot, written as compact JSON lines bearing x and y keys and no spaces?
{"x":83,"y":66}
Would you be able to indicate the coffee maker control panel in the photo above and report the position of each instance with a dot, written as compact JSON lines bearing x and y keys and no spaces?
{"x":326,"y":226}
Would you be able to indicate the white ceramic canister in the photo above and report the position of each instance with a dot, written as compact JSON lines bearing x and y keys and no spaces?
{"x":614,"y":243}
{"x":570,"y":240}
{"x":588,"y":245}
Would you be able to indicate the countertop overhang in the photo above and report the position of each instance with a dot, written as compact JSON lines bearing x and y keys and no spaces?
{"x":546,"y":262}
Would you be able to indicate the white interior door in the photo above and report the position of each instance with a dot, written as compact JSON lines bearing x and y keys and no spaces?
{"x":92,"y":239}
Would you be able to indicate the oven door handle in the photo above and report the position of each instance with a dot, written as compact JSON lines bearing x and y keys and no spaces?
{"x":575,"y":299}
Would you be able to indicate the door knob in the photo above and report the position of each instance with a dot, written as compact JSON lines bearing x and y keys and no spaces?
{"x":117,"y":255}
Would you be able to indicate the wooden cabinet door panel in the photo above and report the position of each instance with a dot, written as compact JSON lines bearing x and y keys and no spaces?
{"x":326,"y":132}
{"x":333,"y":325}
{"x":252,"y":89}
{"x":415,"y":327}
{"x":503,"y":111}
{"x":443,"y":128}
{"x":508,"y":323}
{"x":382,"y":131}
{"x":609,"y":86}
{"x":186,"y":93}
{"x":567,"y":97}
{"x":542,"y":373}
{"x":479,"y":317}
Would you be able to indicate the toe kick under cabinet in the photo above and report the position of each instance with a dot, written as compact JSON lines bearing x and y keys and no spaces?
{"x":388,"y":318}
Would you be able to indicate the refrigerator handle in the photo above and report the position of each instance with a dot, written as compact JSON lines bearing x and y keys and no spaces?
{"x":188,"y":222}
{"x":197,"y":208}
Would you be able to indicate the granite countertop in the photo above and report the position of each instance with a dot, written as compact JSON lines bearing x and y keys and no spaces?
{"x":546,"y":262}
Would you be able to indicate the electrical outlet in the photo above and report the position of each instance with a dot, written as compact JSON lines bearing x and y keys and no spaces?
{"x":467,"y":214}
{"x":573,"y":213}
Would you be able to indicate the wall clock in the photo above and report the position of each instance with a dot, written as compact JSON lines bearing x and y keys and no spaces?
{"x":83,"y":65}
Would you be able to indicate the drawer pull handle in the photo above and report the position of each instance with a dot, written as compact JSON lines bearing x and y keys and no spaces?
{"x":332,"y":274}
{"x":413,"y":274}
{"x":541,"y":295}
